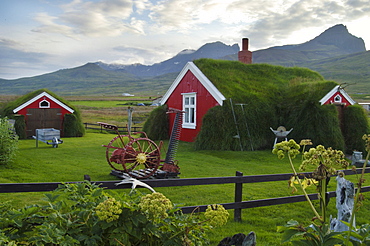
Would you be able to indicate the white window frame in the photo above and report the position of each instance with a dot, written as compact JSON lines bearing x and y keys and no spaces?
{"x":189,"y":104}
{"x":41,"y":106}
{"x":338,"y":99}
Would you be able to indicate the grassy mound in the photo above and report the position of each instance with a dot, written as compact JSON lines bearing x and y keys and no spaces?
{"x":272,"y":96}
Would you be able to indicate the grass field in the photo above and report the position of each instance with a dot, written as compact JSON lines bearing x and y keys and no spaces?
{"x":79,"y":156}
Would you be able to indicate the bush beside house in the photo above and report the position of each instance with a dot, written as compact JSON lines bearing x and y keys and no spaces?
{"x":156,"y":126}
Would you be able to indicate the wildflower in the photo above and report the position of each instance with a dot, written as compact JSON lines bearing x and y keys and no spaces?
{"x":109,"y":210}
{"x":216,"y":214}
{"x":306,"y":182}
{"x":286,"y":147}
{"x":291,"y":183}
{"x":155,"y":205}
{"x":325,"y":161}
{"x":305,"y":142}
{"x":366,"y":138}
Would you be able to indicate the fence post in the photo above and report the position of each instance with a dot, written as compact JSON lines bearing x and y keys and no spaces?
{"x":87,"y":177}
{"x":238,"y":198}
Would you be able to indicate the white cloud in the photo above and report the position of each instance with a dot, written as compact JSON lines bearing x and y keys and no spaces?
{"x":278,"y":27}
{"x":48,"y":25}
{"x":149,"y":31}
{"x":94,"y":19}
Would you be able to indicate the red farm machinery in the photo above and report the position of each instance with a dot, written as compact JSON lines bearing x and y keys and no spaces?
{"x":140,"y":157}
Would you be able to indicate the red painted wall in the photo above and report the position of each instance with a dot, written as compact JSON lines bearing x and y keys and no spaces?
{"x":344,"y":100}
{"x":36,"y":105}
{"x":204,"y":101}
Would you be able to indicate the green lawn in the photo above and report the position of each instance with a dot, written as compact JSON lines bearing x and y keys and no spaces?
{"x":79,"y":156}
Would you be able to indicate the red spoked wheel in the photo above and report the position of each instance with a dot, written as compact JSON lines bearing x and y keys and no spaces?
{"x":141,"y":158}
{"x":115,"y":150}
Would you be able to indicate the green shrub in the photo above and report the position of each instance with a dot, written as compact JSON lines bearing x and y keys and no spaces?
{"x":8,"y":142}
{"x":72,"y":126}
{"x":320,"y":123}
{"x":157,"y":126}
{"x":20,"y":126}
{"x":219,"y":131}
{"x":355,"y":125}
{"x":84,"y":214}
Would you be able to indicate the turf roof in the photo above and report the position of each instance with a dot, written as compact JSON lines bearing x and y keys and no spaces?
{"x":236,"y":80}
{"x":8,"y":109}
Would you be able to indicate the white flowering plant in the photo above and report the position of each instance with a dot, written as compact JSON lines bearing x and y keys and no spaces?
{"x":86,"y":214}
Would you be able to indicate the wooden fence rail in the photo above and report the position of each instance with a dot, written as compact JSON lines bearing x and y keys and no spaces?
{"x":238,"y":180}
{"x":121,"y":129}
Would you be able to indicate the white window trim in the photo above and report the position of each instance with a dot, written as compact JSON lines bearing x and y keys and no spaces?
{"x":340,"y":99}
{"x":40,"y":106}
{"x":189,"y":125}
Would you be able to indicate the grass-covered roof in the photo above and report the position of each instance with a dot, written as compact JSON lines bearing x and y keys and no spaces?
{"x":238,"y":80}
{"x":272,"y":96}
{"x":8,"y":108}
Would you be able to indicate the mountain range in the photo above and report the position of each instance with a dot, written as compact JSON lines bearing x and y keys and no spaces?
{"x":335,"y":53}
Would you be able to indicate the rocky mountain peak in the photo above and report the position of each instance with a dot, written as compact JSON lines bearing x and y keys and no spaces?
{"x":339,"y":36}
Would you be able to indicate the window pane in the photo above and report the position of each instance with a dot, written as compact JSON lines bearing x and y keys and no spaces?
{"x":186,"y":100}
{"x":186,"y":115}
{"x":192,"y":115}
{"x":192,"y":102}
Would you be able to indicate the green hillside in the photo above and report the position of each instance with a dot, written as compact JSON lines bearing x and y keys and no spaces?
{"x":89,"y":79}
{"x":353,"y":69}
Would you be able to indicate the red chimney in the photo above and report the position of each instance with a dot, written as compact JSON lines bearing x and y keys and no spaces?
{"x":245,"y":56}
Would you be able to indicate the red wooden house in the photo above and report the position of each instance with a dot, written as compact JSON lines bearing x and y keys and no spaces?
{"x":337,"y":96}
{"x":195,"y":94}
{"x":43,"y":111}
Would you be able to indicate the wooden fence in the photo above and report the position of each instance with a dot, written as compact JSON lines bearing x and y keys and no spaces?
{"x":121,"y":129}
{"x":238,"y":180}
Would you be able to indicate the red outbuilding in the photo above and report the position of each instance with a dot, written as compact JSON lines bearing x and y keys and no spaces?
{"x":43,"y":111}
{"x":337,"y":96}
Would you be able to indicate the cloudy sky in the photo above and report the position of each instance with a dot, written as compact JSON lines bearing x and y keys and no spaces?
{"x":41,"y":36}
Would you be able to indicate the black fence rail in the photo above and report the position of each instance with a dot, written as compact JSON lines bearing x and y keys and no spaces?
{"x":238,"y":180}
{"x":121,"y":129}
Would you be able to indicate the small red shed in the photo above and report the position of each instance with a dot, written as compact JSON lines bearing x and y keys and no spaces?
{"x":337,"y":96}
{"x":43,"y":111}
{"x":193,"y":93}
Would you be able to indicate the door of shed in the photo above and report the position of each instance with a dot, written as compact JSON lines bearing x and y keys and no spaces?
{"x":39,"y":118}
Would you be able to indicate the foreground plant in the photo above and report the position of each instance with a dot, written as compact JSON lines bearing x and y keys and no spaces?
{"x":8,"y":142}
{"x":362,"y":234}
{"x":324,"y":163}
{"x":85,"y":214}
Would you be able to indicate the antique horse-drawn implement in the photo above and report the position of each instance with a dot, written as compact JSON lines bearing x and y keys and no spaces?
{"x":140,"y":157}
